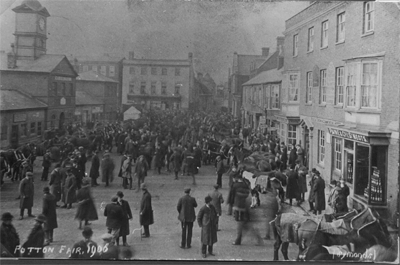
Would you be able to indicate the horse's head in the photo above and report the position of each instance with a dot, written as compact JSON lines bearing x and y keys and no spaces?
{"x":376,"y":233}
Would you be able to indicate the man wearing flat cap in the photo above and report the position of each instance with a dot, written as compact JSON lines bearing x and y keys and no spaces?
{"x":26,"y":192}
{"x":35,"y":239}
{"x":207,"y":220}
{"x":187,"y":215}
{"x":146,"y":211}
{"x":115,"y":215}
{"x":9,"y":237}
{"x":49,"y":210}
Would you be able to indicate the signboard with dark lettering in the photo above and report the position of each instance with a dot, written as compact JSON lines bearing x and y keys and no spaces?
{"x":19,"y":117}
{"x":348,"y":135}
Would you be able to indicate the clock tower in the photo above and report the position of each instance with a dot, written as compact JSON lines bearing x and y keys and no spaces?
{"x":30,"y":30}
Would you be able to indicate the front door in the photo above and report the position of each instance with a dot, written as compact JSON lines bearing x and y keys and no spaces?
{"x":14,"y":136}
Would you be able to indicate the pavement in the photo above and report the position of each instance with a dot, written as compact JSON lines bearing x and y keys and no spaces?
{"x":165,"y":233}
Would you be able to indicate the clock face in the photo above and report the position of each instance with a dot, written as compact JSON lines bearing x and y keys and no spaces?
{"x":42,"y":23}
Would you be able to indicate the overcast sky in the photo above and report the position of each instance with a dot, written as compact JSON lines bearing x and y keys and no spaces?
{"x":160,"y":29}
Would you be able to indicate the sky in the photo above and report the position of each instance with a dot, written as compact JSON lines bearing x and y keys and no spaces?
{"x":160,"y":29}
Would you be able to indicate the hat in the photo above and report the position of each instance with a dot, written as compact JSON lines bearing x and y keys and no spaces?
{"x":87,"y":231}
{"x":143,"y":186}
{"x":41,"y":218}
{"x":114,"y":199}
{"x":216,"y":186}
{"x":107,"y":237}
{"x":186,"y":189}
{"x":29,"y":174}
{"x":7,"y":216}
{"x":120,"y":194}
{"x":317,"y":173}
{"x":313,"y":170}
{"x":207,"y":199}
{"x":46,"y":189}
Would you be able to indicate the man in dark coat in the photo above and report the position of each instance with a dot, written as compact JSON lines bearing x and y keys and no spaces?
{"x":94,"y":169}
{"x":9,"y":237}
{"x":311,"y":196}
{"x":35,"y":242}
{"x":26,"y":192}
{"x":126,"y":209}
{"x":140,"y":170}
{"x":292,"y":189}
{"x":292,"y":156}
{"x":49,"y":211}
{"x":86,"y":209}
{"x":115,"y":215}
{"x":76,"y":171}
{"x":146,"y":211}
{"x":284,"y":156}
{"x":82,"y":160}
{"x":197,"y":158}
{"x":220,"y":170}
{"x":319,"y":193}
{"x":217,"y":201}
{"x":70,"y":188}
{"x":176,"y":160}
{"x":207,"y":220}
{"x":186,"y":209}
{"x":87,"y":247}
{"x":55,"y":183}
{"x":46,"y":165}
{"x":107,"y":168}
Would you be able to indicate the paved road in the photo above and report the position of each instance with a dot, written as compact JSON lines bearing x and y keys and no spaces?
{"x":165,"y":233}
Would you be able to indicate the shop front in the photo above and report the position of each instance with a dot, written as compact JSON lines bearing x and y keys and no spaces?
{"x":361,"y":159}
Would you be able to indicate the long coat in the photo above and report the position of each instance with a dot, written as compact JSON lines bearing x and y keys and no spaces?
{"x":49,"y":210}
{"x":9,"y":240}
{"x":271,"y":209}
{"x":26,"y":191}
{"x":207,"y":220}
{"x":114,"y":215}
{"x":319,"y":194}
{"x":127,"y":214}
{"x":292,"y":189}
{"x":70,"y":189}
{"x":86,"y":209}
{"x":94,"y":169}
{"x":302,"y":183}
{"x":35,"y":240}
{"x":176,"y":160}
{"x":217,"y":200}
{"x":107,"y":168}
{"x":185,"y":207}
{"x":55,"y":183}
{"x":146,"y":210}
{"x":292,"y":156}
{"x":141,"y":168}
{"x":311,"y":195}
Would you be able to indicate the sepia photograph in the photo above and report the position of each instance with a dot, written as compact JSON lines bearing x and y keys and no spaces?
{"x":199,"y":130}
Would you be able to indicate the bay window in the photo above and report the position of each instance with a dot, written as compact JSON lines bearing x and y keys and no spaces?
{"x":369,"y":85}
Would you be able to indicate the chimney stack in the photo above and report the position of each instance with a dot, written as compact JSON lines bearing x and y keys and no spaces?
{"x":12,"y":58}
{"x":131,"y":55}
{"x":265,"y":51}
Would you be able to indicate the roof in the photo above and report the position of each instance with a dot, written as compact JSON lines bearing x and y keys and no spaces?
{"x":83,"y":98}
{"x":244,"y":62}
{"x":15,"y":100}
{"x":102,"y":58}
{"x":270,"y":76}
{"x":33,"y":5}
{"x":93,"y":76}
{"x":160,"y":62}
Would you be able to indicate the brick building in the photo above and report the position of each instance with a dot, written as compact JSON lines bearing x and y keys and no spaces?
{"x":158,"y":83}
{"x":342,"y":73}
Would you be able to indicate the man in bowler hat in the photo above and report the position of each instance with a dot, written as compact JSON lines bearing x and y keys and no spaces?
{"x":186,"y":209}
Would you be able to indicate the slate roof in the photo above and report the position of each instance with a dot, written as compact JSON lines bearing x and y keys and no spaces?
{"x":15,"y":100}
{"x":44,"y":64}
{"x":93,"y":76}
{"x":84,"y":98}
{"x":244,"y":62}
{"x":270,"y":76}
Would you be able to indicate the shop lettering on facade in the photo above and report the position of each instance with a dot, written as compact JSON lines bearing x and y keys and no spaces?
{"x":348,"y":135}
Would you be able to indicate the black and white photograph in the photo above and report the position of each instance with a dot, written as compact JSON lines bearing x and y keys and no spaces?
{"x":199,"y":130}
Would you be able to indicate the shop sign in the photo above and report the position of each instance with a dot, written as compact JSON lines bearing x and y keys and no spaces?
{"x":348,"y":135}
{"x":327,"y":122}
{"x":62,"y":78}
{"x":19,"y":117}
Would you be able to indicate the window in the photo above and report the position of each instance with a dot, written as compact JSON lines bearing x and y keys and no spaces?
{"x":293,"y":87}
{"x":63,"y":89}
{"x":54,"y":89}
{"x":132,"y":70}
{"x":90,"y":67}
{"x":295,"y":44}
{"x":164,"y":71}
{"x":177,"y":71}
{"x":275,"y":96}
{"x":154,"y":71}
{"x":267,"y":93}
{"x":322,"y":98}
{"x":131,"y":88}
{"x":177,"y":89}
{"x":309,"y":87}
{"x":310,"y":44}
{"x":4,"y":132}
{"x":292,"y":134}
{"x":339,"y":87}
{"x":368,"y":25}
{"x":143,"y":87}
{"x":321,"y":146}
{"x":71,"y":89}
{"x":283,"y":131}
{"x":324,"y":34}
{"x":111,"y":71}
{"x":369,"y":85}
{"x":33,"y":128}
{"x":337,"y":158}
{"x":24,"y":129}
{"x":103,"y":70}
{"x":351,"y":85}
{"x":39,"y":128}
{"x":143,"y":71}
{"x":153,"y":88}
{"x":340,"y":31}
{"x":163,"y":88}
{"x":85,"y":68}
{"x":94,"y":68}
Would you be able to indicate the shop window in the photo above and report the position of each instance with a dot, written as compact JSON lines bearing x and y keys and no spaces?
{"x":341,"y":30}
{"x":292,"y":135}
{"x":339,"y":87}
{"x":337,"y":157}
{"x":153,"y":88}
{"x":310,"y":43}
{"x":368,"y":25}
{"x":295,"y":44}
{"x":293,"y":87}
{"x":33,"y":128}
{"x":24,"y":130}
{"x":39,"y":128}
{"x":322,"y":87}
{"x":4,"y":132}
{"x":163,"y":88}
{"x":324,"y":34}
{"x":321,"y":146}
{"x":309,"y":87}
{"x":164,"y":71}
